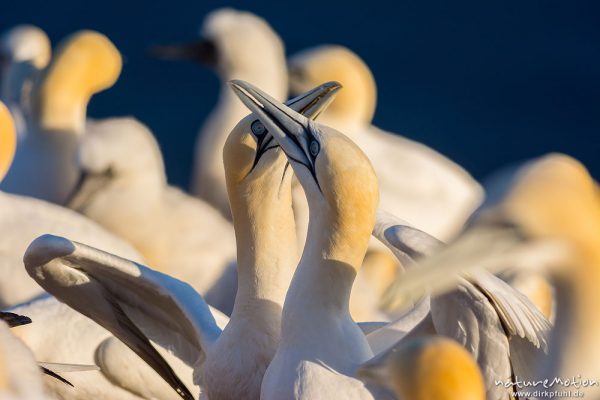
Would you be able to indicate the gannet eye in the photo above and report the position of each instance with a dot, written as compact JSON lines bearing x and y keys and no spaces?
{"x":314,"y":148}
{"x":258,"y":128}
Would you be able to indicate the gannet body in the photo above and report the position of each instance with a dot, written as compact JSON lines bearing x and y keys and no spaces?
{"x":124,"y":188}
{"x":237,"y":45}
{"x":542,"y":216}
{"x":416,"y":183}
{"x":499,"y":325}
{"x":45,"y":164}
{"x":136,"y":303}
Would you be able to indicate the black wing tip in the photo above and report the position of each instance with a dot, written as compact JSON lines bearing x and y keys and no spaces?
{"x":13,"y":320}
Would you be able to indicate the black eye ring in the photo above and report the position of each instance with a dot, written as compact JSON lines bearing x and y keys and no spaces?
{"x":314,"y":148}
{"x":258,"y":128}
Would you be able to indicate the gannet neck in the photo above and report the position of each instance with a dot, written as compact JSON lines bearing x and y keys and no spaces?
{"x":262,"y":215}
{"x":86,"y":63}
{"x":8,"y":140}
{"x":354,"y":107}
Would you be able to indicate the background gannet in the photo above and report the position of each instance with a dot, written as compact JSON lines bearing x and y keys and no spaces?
{"x":45,"y":166}
{"x":238,"y":45}
{"x":321,"y":346}
{"x":416,"y":182}
{"x":124,"y":188}
{"x":25,"y":51}
{"x":501,"y":327}
{"x":426,"y":368}
{"x":228,"y":363}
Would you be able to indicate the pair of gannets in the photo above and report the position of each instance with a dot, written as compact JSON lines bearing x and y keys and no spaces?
{"x":45,"y":164}
{"x":230,"y":364}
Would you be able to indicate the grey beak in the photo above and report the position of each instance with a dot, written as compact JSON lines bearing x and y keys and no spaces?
{"x":290,"y":129}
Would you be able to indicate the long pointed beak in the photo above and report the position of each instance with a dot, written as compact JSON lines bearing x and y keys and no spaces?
{"x":312,"y":103}
{"x":289,"y":128}
{"x":202,"y":51}
{"x":494,"y":249}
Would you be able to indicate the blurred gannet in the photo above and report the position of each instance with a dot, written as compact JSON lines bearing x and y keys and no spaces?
{"x":135,"y":302}
{"x":238,"y":45}
{"x":415,"y":182}
{"x":426,"y":368}
{"x":321,"y":346}
{"x":124,"y":188}
{"x":24,"y":52}
{"x":544,"y":216}
{"x":501,"y":328}
{"x":45,"y":164}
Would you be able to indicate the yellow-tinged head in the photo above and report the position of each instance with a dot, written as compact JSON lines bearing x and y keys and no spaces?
{"x":355,"y":106}
{"x":337,"y":177}
{"x":26,"y":44}
{"x":8,"y":140}
{"x":85,"y":63}
{"x":435,"y":368}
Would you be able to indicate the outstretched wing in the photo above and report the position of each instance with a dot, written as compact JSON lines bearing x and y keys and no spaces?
{"x":134,"y":302}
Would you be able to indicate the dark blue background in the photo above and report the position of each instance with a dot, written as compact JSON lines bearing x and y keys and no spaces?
{"x":485,"y":83}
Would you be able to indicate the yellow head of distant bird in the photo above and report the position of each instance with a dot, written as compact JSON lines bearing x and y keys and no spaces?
{"x":85,"y":63}
{"x":336,"y":175}
{"x":8,"y":140}
{"x":428,"y":368}
{"x":355,"y":106}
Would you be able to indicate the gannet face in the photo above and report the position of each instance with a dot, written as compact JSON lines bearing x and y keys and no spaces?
{"x":356,"y":104}
{"x":25,"y":44}
{"x":429,"y":367}
{"x":85,"y":63}
{"x":251,"y":151}
{"x":233,"y":42}
{"x":8,"y":140}
{"x":113,"y":154}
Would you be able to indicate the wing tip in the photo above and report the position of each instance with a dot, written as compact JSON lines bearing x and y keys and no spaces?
{"x":45,"y":248}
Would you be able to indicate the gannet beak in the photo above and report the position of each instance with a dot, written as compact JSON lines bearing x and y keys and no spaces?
{"x":491,"y":248}
{"x":291,"y":130}
{"x":88,"y":185}
{"x":202,"y":51}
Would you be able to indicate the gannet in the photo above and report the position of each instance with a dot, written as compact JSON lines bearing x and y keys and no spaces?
{"x":499,"y":325}
{"x":237,"y":45}
{"x":543,"y":216}
{"x":25,"y":51}
{"x":45,"y":164}
{"x":20,"y":377}
{"x":124,"y":188}
{"x":135,"y":302}
{"x":416,"y":183}
{"x":426,"y":368}
{"x":321,"y":346}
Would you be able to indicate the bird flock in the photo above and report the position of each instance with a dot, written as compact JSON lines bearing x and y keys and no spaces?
{"x":315,"y":256}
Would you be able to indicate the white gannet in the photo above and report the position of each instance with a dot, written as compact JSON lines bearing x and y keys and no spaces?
{"x":20,"y":376}
{"x":124,"y":188}
{"x":25,"y":51}
{"x":426,"y":368}
{"x":238,"y":45}
{"x":544,"y":216}
{"x":415,"y":182}
{"x":45,"y":165}
{"x":135,"y":302}
{"x":321,"y":346}
{"x":499,"y":325}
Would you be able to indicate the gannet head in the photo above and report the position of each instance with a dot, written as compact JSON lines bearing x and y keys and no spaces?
{"x":251,"y":153}
{"x":355,"y":106}
{"x":25,"y":44}
{"x":84,"y":64}
{"x":428,"y":367}
{"x":114,"y":155}
{"x":238,"y":45}
{"x":336,"y":175}
{"x":8,"y":140}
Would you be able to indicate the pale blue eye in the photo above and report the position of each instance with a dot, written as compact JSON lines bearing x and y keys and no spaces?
{"x":258,"y":128}
{"x":314,"y":148}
